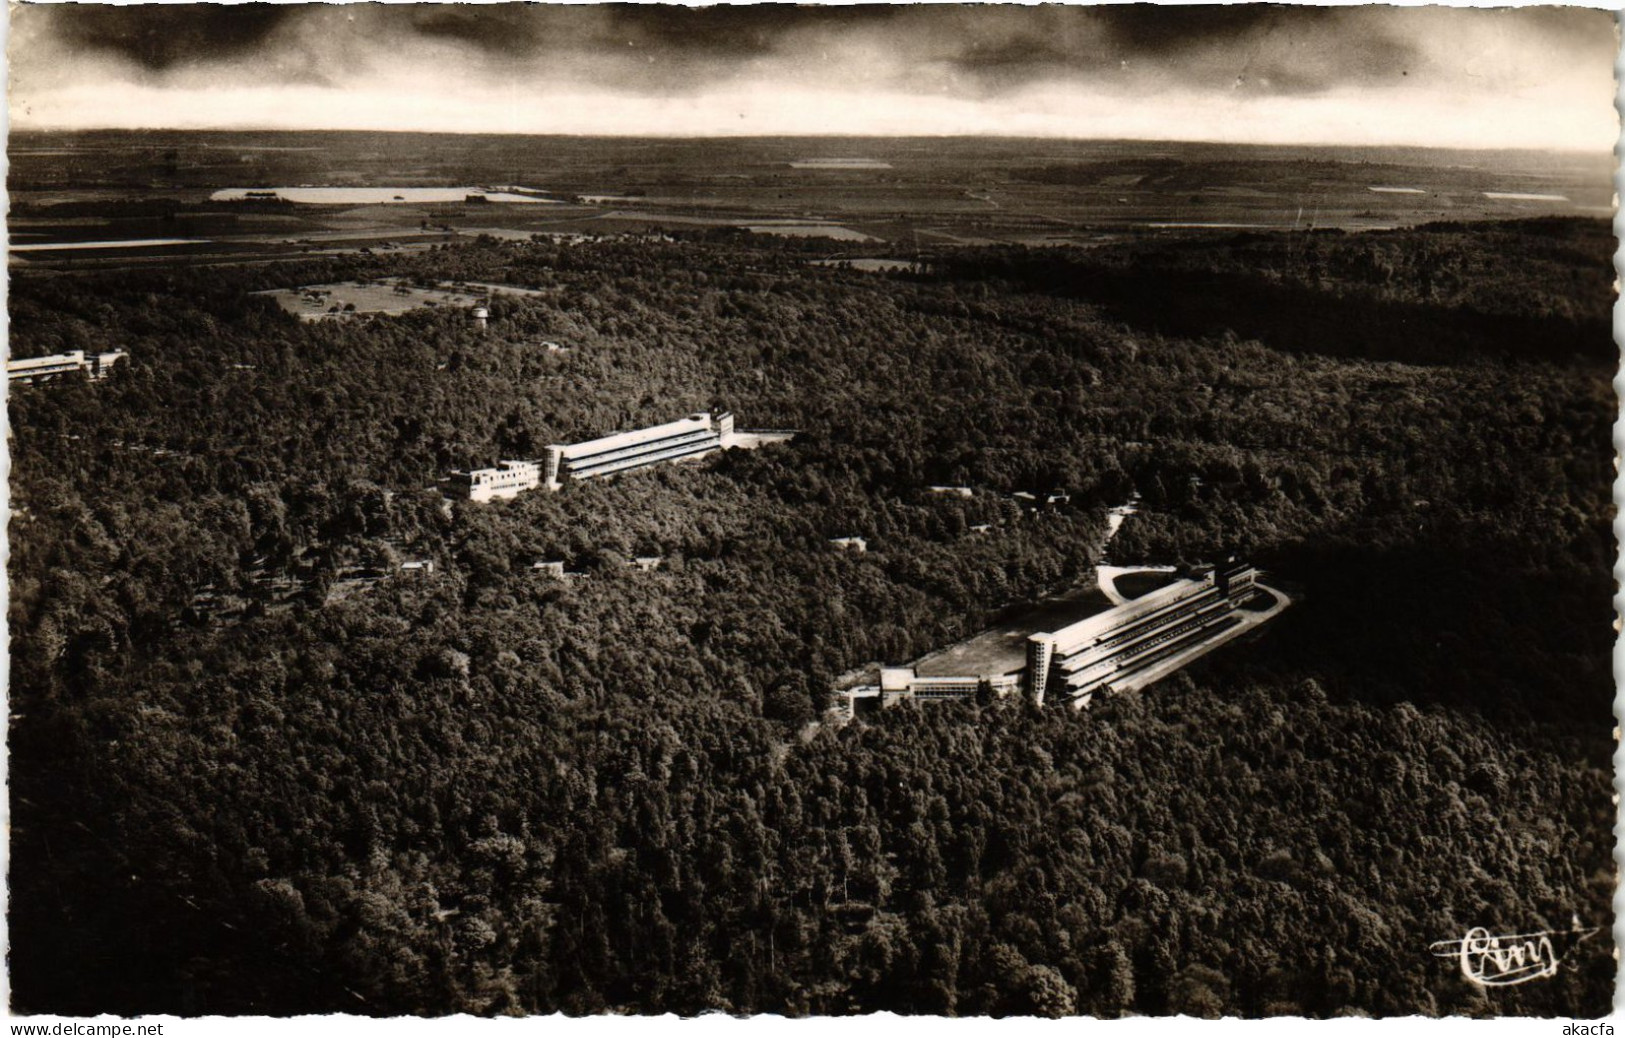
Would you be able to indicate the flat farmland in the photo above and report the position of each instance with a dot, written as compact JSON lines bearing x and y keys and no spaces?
{"x":865,"y":193}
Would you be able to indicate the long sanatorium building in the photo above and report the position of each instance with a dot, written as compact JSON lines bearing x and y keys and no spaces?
{"x":1113,"y":648}
{"x":689,"y":437}
{"x":1124,"y":648}
{"x":33,"y":369}
{"x":685,"y":438}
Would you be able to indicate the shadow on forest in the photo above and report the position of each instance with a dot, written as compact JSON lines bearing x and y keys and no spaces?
{"x":1458,"y":627}
{"x":1299,"y":319}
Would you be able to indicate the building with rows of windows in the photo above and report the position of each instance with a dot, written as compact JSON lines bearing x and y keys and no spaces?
{"x":508,"y":479}
{"x":688,"y":437}
{"x":36,"y":369}
{"x":1141,"y":640}
{"x":1129,"y":646}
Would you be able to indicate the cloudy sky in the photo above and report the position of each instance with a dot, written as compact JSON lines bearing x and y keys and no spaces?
{"x":1529,"y":77}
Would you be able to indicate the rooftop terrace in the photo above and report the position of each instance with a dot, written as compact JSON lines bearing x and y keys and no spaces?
{"x":1002,"y":648}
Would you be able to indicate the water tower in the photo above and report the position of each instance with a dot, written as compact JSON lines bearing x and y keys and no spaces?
{"x":482,"y":315}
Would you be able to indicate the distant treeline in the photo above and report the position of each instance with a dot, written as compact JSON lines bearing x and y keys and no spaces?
{"x":1537,"y":289}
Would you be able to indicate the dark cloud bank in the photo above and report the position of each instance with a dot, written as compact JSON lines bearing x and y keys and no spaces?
{"x":1377,"y":73}
{"x":1298,"y":49}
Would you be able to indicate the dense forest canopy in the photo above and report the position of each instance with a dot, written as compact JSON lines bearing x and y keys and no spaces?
{"x":256,"y":768}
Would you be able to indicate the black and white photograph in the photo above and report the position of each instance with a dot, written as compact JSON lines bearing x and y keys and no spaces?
{"x":949,"y":510}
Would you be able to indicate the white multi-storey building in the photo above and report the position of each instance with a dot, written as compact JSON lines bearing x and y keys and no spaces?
{"x":96,"y":365}
{"x":1124,"y":648}
{"x":508,"y":479}
{"x":688,"y":437}
{"x":1140,"y":640}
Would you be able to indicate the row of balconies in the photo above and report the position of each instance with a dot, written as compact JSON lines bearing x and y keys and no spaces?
{"x":663,"y":452}
{"x":1155,"y":647}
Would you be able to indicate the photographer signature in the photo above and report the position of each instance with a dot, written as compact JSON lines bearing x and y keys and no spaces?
{"x":1501,"y":960}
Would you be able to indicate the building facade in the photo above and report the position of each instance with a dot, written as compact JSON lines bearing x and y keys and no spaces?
{"x":95,"y":365}
{"x":689,"y":437}
{"x":1140,"y":640}
{"x":1123,"y":648}
{"x":508,"y":479}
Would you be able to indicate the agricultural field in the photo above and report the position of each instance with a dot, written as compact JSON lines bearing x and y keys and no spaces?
{"x":387,"y":296}
{"x":359,"y":191}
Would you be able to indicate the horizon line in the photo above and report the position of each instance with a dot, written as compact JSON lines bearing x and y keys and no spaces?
{"x":723,"y":136}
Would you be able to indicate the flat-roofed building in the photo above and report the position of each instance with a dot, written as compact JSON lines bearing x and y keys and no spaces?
{"x":689,"y":437}
{"x":1142,"y":639}
{"x":508,"y":479}
{"x":900,"y":684}
{"x":1121,"y":648}
{"x":100,"y":365}
{"x":94,"y":365}
{"x":44,"y":367}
